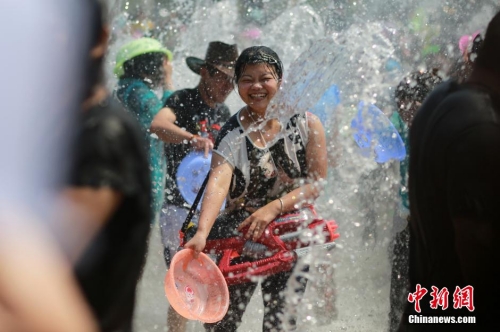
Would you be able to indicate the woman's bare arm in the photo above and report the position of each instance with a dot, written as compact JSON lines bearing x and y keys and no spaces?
{"x":215,"y":193}
{"x":38,"y":291}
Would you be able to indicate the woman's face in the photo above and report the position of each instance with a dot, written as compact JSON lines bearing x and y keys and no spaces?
{"x":257,"y":86}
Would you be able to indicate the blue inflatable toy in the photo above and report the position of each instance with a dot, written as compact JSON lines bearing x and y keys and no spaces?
{"x":373,"y":130}
{"x":191,"y":173}
{"x":327,"y":102}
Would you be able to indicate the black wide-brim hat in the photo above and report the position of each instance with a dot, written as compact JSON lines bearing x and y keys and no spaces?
{"x":219,"y":55}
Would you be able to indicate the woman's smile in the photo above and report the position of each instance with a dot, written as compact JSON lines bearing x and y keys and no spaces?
{"x":258,"y":96}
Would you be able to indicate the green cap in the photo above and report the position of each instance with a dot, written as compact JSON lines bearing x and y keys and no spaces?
{"x":138,"y":47}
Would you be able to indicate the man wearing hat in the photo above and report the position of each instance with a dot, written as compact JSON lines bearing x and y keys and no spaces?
{"x":199,"y":110}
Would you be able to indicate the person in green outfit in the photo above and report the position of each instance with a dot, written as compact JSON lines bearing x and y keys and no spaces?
{"x":144,"y":69}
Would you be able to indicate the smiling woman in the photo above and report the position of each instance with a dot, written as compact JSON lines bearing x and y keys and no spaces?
{"x":264,"y":169}
{"x":257,"y":87}
{"x":258,"y":77}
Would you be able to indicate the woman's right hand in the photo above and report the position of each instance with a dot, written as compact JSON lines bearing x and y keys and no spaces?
{"x":197,"y":243}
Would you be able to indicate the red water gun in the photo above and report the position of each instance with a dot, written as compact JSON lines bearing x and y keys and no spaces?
{"x":275,"y":251}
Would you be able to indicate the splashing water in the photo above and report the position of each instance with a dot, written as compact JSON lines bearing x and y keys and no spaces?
{"x":364,"y":56}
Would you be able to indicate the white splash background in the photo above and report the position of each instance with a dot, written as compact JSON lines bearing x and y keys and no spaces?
{"x":347,"y":43}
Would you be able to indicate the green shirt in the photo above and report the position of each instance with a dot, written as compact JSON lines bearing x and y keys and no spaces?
{"x":139,"y":99}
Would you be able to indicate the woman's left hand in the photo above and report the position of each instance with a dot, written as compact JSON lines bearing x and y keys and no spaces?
{"x":259,"y":220}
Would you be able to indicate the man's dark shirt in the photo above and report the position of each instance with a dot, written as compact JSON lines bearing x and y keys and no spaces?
{"x":190,"y":111}
{"x":454,"y":182}
{"x":110,"y":153}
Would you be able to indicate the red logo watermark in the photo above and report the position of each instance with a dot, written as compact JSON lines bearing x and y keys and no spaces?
{"x":462,"y":297}
{"x":417,"y":296}
{"x":439,"y":298}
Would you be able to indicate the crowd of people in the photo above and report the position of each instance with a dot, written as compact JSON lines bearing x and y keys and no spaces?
{"x":126,"y":149}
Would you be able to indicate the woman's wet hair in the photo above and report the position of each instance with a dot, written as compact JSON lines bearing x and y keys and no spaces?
{"x":146,"y":66}
{"x":256,"y":55}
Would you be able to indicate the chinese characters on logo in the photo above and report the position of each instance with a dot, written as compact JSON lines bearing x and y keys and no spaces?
{"x":462,"y":297}
{"x":417,"y":296}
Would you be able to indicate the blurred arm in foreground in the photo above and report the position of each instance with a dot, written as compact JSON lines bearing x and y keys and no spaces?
{"x":38,"y":292}
{"x":41,"y":60}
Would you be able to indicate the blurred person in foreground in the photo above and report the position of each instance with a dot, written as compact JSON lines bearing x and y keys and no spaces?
{"x":409,"y":96}
{"x":109,"y":193}
{"x":454,"y":202}
{"x":42,"y":63}
{"x":144,"y":70}
{"x":201,"y":110}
